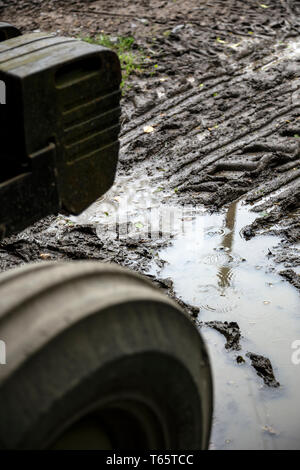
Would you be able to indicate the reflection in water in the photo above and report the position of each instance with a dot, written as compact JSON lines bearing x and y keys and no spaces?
{"x":224,"y":274}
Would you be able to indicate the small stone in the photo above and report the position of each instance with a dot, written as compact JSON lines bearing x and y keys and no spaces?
{"x":114,"y":39}
{"x":177,"y":28}
{"x":240,"y":360}
{"x":144,"y":21}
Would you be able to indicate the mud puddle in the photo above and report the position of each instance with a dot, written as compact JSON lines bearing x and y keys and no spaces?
{"x":233,"y":280}
{"x":210,"y":265}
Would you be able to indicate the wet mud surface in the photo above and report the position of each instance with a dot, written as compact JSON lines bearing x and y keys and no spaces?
{"x":210,"y":130}
{"x":230,"y":330}
{"x":264,"y":369}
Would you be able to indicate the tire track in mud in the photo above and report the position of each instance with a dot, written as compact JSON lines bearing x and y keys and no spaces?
{"x":183,"y":99}
{"x":233,"y":145}
{"x":195,"y":156}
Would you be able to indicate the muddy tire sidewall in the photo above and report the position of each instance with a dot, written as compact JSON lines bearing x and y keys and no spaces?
{"x":134,"y":349}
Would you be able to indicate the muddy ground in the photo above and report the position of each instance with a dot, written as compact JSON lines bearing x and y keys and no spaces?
{"x":219,"y":90}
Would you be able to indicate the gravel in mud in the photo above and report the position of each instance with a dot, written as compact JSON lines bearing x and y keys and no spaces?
{"x":219,"y":87}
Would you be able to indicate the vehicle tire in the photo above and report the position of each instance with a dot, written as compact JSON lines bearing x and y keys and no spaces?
{"x":7,"y":31}
{"x":98,"y":358}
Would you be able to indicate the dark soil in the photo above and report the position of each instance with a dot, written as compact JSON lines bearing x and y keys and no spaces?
{"x":230,"y":330}
{"x":221,"y":89}
{"x":291,"y":276}
{"x":264,"y":369}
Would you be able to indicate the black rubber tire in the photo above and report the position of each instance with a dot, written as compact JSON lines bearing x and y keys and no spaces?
{"x":92,"y":343}
{"x":8,"y":31}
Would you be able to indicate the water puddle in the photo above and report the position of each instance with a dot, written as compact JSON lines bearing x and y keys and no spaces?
{"x":232,"y":279}
{"x":213,"y":267}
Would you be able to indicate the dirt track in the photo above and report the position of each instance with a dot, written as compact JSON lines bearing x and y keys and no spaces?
{"x":221,"y":92}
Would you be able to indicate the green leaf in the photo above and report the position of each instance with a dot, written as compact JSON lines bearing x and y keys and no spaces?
{"x":139,"y":225}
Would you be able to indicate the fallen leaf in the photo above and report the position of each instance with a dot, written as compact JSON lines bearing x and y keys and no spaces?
{"x":139,"y":225}
{"x":45,"y":256}
{"x":269,"y":430}
{"x":148,"y":129}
